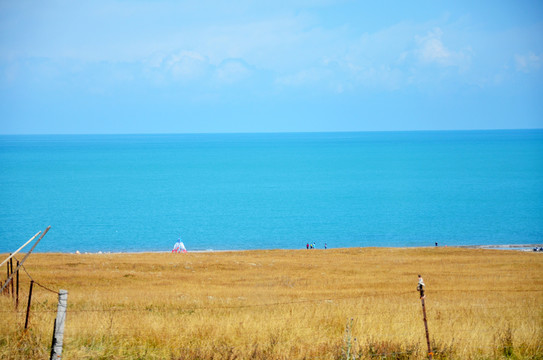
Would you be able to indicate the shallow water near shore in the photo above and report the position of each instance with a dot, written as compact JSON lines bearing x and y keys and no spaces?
{"x":264,"y":191}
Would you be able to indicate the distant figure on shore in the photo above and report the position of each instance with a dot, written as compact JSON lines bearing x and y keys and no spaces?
{"x":179,"y":247}
{"x":325,"y":246}
{"x":436,"y":243}
{"x":307,"y":246}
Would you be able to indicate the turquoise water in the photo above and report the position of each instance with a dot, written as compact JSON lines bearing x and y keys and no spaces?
{"x":266,"y":191}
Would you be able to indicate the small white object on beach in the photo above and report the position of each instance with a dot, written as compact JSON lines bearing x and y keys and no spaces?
{"x":77,"y":252}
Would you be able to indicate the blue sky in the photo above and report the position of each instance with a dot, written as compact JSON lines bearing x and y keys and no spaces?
{"x":245,"y":66}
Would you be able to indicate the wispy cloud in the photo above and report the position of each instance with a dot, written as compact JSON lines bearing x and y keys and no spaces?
{"x":232,"y":71}
{"x":296,"y":49}
{"x":431,"y":49}
{"x":529,"y":62}
{"x":186,"y":65}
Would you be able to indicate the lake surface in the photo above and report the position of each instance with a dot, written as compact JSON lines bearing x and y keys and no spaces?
{"x":267,"y":191}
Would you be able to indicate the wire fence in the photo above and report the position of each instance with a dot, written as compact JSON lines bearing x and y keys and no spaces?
{"x":148,"y":309}
{"x":221,"y":307}
{"x":107,"y":322}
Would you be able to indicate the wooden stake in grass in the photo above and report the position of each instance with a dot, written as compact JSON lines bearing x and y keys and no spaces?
{"x":17,"y":294}
{"x":420,"y":288}
{"x":11,"y":272}
{"x":29,"y":301}
{"x":7,"y":281}
{"x":58,"y":333}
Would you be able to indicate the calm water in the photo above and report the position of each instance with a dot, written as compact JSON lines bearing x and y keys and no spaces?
{"x":265,"y":191}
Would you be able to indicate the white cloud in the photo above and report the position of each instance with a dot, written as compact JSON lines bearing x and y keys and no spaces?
{"x":232,"y":71}
{"x":529,"y":62}
{"x":186,"y":65}
{"x":304,"y":77}
{"x":432,"y":50}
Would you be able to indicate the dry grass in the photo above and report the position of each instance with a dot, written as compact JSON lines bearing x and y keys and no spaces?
{"x":307,"y":304}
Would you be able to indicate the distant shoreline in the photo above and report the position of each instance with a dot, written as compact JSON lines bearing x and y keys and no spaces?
{"x":520,"y":247}
{"x":517,"y":247}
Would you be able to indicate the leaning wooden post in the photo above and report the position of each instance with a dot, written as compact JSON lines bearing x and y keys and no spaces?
{"x":420,"y":287}
{"x":29,"y":301}
{"x":26,"y":256}
{"x":58,"y":334}
{"x":19,"y":249}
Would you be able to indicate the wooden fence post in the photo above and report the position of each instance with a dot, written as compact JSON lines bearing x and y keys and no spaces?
{"x":11,"y":271}
{"x":7,"y":283}
{"x":430,"y":353}
{"x":17,"y":295}
{"x":420,"y":288}
{"x":58,"y":334}
{"x":29,"y":301}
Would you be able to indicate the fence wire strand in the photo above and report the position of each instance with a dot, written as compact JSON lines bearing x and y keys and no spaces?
{"x":35,"y":282}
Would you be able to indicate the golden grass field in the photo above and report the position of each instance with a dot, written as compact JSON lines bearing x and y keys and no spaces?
{"x":358,"y":303}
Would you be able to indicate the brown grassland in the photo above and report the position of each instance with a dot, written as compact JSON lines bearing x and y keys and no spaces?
{"x":358,"y":303}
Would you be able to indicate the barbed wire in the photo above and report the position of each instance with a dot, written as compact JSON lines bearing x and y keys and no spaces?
{"x":227,"y":307}
{"x":360,"y":349}
{"x":436,"y":334}
{"x":35,"y":282}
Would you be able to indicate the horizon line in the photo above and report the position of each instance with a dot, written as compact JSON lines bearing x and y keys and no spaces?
{"x":268,"y":132}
